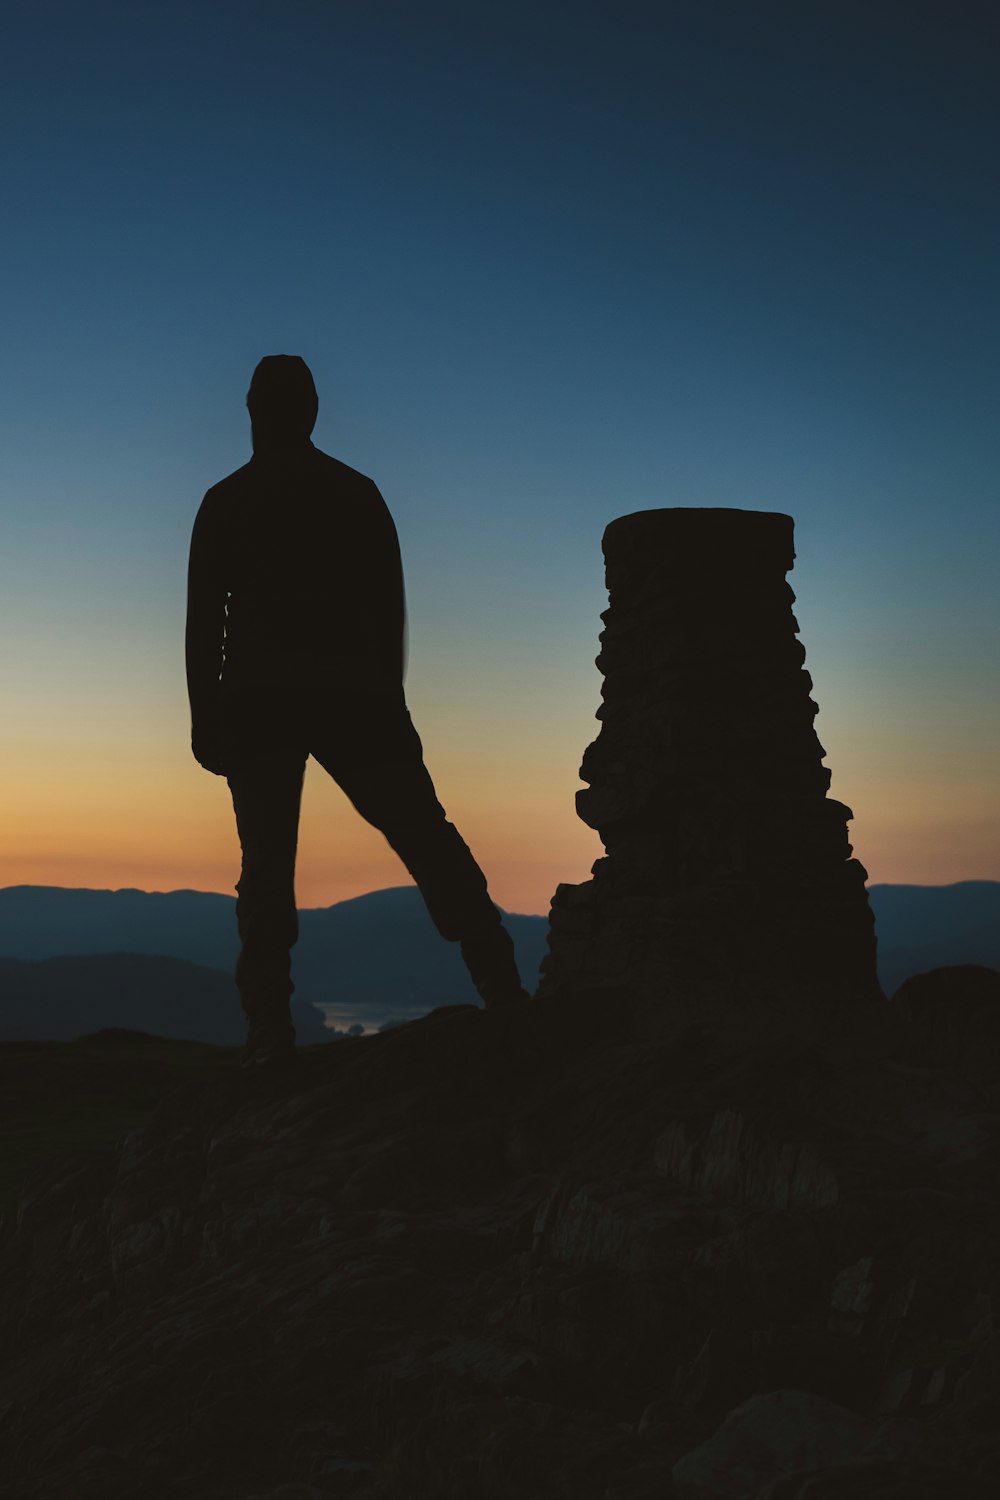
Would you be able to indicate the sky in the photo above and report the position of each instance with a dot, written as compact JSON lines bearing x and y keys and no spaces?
{"x":550,"y":263}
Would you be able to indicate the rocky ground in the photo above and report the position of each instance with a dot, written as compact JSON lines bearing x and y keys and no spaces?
{"x":530,"y":1255}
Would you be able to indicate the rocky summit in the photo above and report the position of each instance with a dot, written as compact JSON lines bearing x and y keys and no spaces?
{"x":728,"y":875}
{"x":525,"y":1254}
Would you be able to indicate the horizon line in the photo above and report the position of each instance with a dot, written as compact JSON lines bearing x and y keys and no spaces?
{"x":411,"y":886}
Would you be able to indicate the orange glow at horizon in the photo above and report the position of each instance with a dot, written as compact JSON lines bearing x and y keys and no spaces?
{"x":89,"y":807}
{"x":170,"y":826}
{"x":161,"y":823}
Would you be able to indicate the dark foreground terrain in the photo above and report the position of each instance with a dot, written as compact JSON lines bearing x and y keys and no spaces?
{"x":523,"y":1254}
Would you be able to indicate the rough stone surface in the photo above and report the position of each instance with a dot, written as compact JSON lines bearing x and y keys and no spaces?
{"x":955,"y":1015}
{"x":767,"y":1438}
{"x":521,"y":1254}
{"x":728,"y":876}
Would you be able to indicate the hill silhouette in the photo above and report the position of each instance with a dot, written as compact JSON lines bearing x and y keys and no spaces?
{"x":379,"y":955}
{"x":922,"y":927}
{"x":376,"y":956}
{"x":62,"y":998}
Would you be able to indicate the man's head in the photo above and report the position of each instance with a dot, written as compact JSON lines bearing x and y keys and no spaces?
{"x":282,"y":400}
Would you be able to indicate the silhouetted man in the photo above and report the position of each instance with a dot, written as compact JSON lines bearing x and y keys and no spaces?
{"x":295,"y":648}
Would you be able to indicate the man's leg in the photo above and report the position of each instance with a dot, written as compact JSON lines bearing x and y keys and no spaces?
{"x":267,"y":792}
{"x":393,"y":791}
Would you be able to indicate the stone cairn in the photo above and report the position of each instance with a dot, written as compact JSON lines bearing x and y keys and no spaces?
{"x":728,"y":872}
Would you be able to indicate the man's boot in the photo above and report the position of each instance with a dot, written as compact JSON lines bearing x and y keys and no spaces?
{"x":489,"y":957}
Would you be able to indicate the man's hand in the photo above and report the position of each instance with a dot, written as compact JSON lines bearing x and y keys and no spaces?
{"x":210,"y":748}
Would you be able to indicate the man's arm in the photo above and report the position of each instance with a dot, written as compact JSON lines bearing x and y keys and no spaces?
{"x":390,"y":600}
{"x":205,"y":642}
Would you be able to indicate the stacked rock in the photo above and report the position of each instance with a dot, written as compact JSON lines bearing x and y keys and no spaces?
{"x":727,"y":865}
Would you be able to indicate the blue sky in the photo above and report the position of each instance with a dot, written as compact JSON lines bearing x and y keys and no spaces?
{"x":550,"y":263}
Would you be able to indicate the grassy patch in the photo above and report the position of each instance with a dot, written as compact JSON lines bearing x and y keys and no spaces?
{"x":62,"y":1097}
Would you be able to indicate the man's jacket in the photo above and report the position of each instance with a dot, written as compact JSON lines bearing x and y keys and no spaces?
{"x":295,"y":607}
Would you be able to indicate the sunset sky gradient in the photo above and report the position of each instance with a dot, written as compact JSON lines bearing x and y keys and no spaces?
{"x":549,"y":263}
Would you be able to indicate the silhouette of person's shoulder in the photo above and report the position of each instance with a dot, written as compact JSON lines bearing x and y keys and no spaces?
{"x":308,"y":467}
{"x":232,"y":485}
{"x":313,"y":476}
{"x":340,"y":473}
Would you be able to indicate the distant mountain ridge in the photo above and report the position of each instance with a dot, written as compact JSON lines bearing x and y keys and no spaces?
{"x":60,"y":999}
{"x":378,"y":955}
{"x":923,"y":927}
{"x":47,"y":921}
